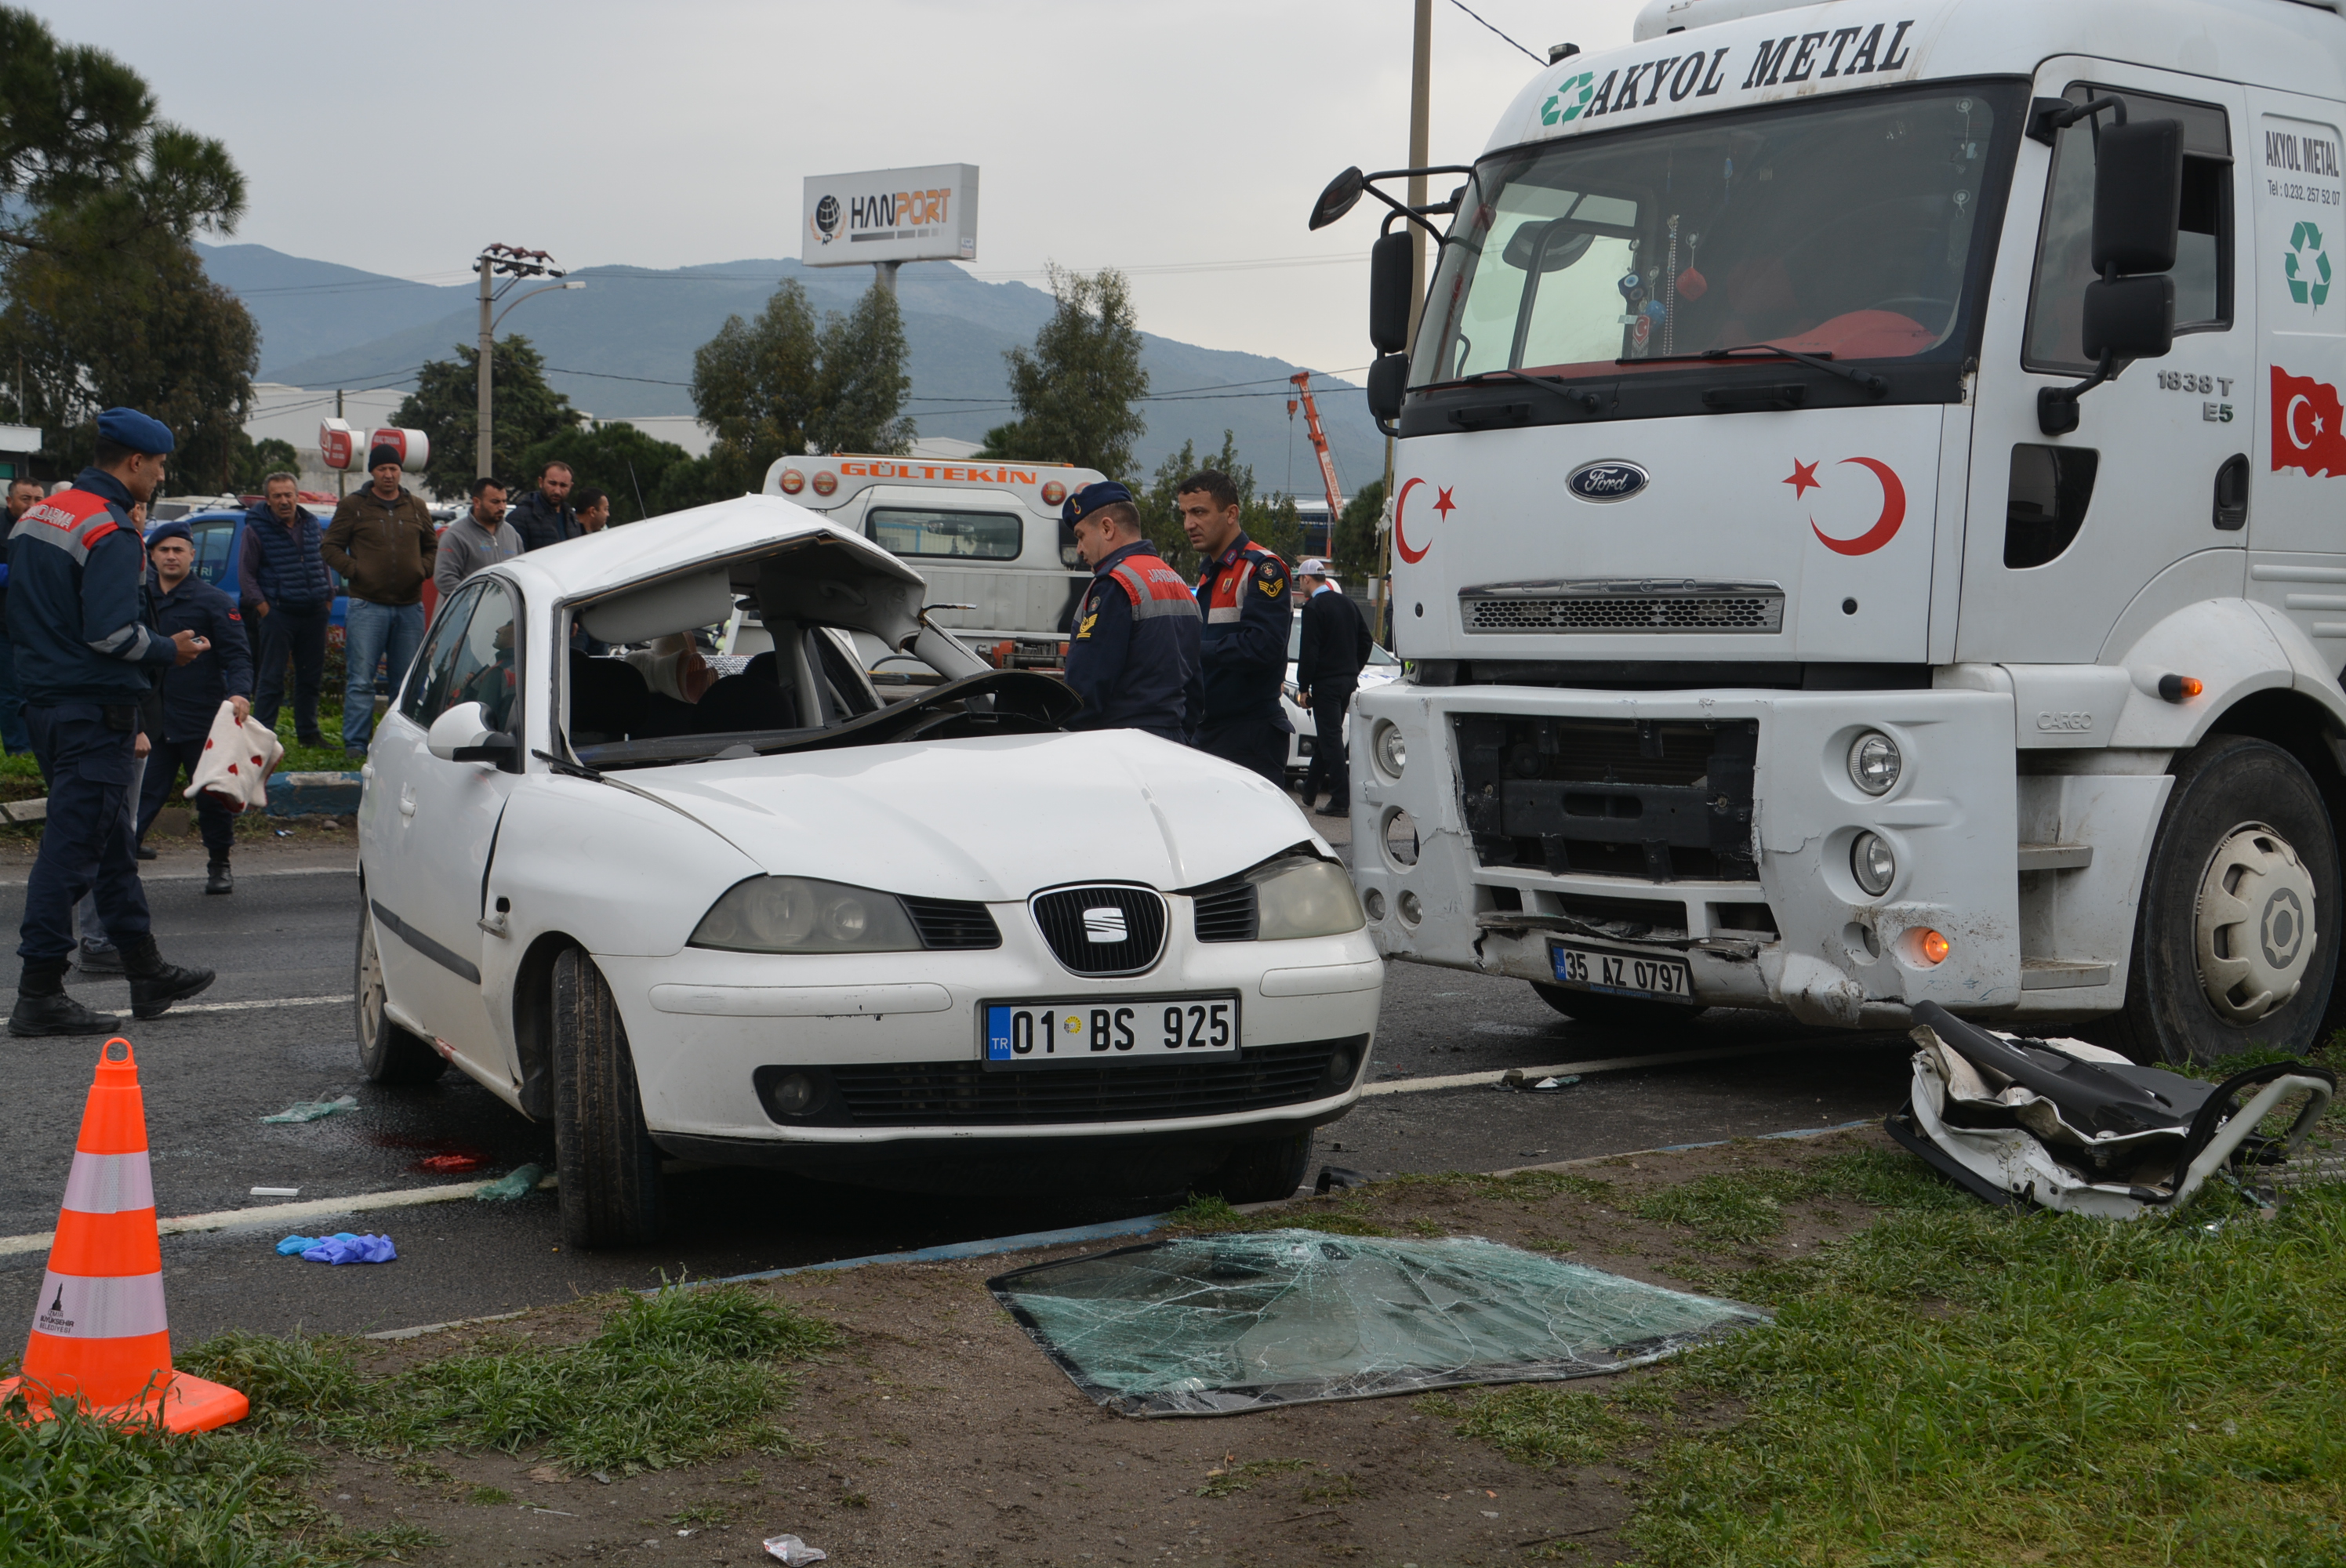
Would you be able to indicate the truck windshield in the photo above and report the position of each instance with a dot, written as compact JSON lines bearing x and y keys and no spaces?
{"x":1846,"y":227}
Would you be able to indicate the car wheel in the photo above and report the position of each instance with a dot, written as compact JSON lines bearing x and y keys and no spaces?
{"x":2236,"y":936}
{"x":1264,"y":1171}
{"x":1615,"y":1012}
{"x":610,"y":1168}
{"x":387,"y":1053}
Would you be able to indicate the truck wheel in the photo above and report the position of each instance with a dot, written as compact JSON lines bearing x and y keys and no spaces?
{"x":610,"y":1169}
{"x":387,"y":1053}
{"x":2236,"y":935}
{"x":1615,"y":1012}
{"x":1263,"y":1172}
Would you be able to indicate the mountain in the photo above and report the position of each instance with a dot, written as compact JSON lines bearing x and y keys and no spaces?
{"x":623,"y":346}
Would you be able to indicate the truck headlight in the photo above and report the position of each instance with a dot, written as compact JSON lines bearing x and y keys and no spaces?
{"x":1875,"y":762}
{"x":1300,"y":898}
{"x":1390,"y":751}
{"x":1872,"y":864}
{"x":800,"y":915}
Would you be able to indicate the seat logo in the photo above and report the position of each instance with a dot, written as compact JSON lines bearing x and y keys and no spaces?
{"x":1105,"y":925}
{"x":1610,"y":481}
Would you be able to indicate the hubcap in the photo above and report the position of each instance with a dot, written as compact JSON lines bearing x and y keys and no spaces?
{"x":370,"y":990}
{"x":2255,"y":926}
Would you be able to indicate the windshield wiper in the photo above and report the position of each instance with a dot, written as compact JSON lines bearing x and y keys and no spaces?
{"x":1866,"y":379}
{"x":564,"y":766}
{"x":1586,"y":402}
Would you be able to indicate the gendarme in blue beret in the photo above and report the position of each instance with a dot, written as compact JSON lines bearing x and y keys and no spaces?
{"x":128,"y":427}
{"x":1091,"y":499}
{"x":172,"y":530}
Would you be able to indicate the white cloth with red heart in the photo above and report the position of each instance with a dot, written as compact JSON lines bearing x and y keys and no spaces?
{"x":236,"y":763}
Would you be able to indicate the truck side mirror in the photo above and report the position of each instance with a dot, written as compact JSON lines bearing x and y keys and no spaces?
{"x":1388,"y":378}
{"x":1389,"y":302}
{"x":2129,"y":308}
{"x":1342,"y":193}
{"x":2130,"y":318}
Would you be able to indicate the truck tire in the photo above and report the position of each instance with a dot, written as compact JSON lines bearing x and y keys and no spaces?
{"x":1615,"y":1012}
{"x":387,"y":1053}
{"x":1264,"y":1171}
{"x":610,"y":1169}
{"x":2223,"y":926}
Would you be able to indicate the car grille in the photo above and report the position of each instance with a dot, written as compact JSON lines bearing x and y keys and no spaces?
{"x":1617,"y":607}
{"x":965,"y":1094}
{"x":952,"y":923}
{"x":1226,"y":913}
{"x":1107,"y":930}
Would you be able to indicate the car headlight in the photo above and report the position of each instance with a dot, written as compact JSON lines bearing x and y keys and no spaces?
{"x":800,"y":915}
{"x":1392,"y":751}
{"x":1302,"y":897}
{"x":1875,"y":762}
{"x":1872,"y":864}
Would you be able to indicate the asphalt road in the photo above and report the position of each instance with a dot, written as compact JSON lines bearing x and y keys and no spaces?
{"x":283,"y":940}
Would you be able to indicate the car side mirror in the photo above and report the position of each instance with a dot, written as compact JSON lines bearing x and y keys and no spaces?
{"x":463,"y":735}
{"x":1390,"y":262}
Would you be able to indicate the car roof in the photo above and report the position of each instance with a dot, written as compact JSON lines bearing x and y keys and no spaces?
{"x":634,"y":553}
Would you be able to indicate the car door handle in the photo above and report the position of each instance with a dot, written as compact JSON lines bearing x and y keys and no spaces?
{"x":407,"y":799}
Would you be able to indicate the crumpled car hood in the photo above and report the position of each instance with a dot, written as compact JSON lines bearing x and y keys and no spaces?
{"x":991,"y":819}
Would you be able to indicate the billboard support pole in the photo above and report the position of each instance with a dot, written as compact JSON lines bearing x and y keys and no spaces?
{"x":883,"y":275}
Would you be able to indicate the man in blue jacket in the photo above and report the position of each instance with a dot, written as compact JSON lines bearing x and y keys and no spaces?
{"x":289,"y":602}
{"x":193,"y":692}
{"x":1243,"y":594}
{"x":1133,"y":656}
{"x":85,"y":651}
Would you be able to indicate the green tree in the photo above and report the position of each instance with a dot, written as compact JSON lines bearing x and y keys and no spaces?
{"x":614,"y":457}
{"x":1358,"y":559}
{"x":1270,"y":521}
{"x":103,"y":300}
{"x":251,"y":461}
{"x":446,"y":406}
{"x":1075,"y":391}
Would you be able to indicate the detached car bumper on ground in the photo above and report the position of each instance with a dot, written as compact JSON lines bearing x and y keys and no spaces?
{"x":777,"y":921}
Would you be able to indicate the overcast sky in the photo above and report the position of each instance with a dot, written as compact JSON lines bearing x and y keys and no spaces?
{"x":1167,"y":139}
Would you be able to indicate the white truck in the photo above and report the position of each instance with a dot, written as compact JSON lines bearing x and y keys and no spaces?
{"x":1870,"y":523}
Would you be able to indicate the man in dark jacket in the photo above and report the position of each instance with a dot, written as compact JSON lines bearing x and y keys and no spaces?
{"x":84,"y":649}
{"x":543,"y":517}
{"x":1327,"y":661}
{"x":289,"y":603}
{"x":192,"y":694}
{"x":1133,"y":656}
{"x":381,"y":540}
{"x":21,"y":495}
{"x":1243,"y":594}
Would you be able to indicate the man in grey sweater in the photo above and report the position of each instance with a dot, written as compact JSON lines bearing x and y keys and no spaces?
{"x":481,"y":538}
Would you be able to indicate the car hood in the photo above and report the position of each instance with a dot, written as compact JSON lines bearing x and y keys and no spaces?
{"x":992,"y":820}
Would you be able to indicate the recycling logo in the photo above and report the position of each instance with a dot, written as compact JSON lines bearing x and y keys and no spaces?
{"x":2306,"y":266}
{"x":1557,"y":110}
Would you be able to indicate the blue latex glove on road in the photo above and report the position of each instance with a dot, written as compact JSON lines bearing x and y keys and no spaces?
{"x":340,"y":1247}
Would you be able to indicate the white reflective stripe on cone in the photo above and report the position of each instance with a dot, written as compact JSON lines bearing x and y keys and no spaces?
{"x":79,"y":1306}
{"x":109,"y":1183}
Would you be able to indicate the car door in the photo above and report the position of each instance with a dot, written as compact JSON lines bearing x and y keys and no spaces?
{"x":425,"y":890}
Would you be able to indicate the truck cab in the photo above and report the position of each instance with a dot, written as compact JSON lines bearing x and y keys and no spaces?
{"x":1870,"y":525}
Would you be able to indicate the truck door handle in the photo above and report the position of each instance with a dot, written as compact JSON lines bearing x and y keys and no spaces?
{"x":407,"y":799}
{"x":2231,"y":509}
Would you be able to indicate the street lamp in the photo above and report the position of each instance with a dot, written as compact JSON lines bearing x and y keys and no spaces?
{"x":514,"y":264}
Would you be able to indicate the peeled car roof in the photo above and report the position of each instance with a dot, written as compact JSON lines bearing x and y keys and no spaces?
{"x":635,"y":552}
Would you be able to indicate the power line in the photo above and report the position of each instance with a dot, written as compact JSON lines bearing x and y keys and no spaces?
{"x":1462,"y":5}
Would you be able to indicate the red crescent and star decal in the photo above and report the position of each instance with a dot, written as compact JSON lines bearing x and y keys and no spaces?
{"x":1804,"y":479}
{"x":1401,"y":540}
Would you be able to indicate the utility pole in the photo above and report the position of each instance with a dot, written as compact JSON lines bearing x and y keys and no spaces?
{"x":1421,"y":90}
{"x":343,"y":475}
{"x":513,"y":263}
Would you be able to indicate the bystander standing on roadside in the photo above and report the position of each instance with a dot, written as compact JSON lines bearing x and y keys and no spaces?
{"x":481,"y":537}
{"x":21,"y":495}
{"x":1332,"y":650}
{"x":288,"y":604}
{"x":382,"y":544}
{"x":1243,"y":594}
{"x":192,"y":694}
{"x":593,"y":509}
{"x":1133,"y":655}
{"x":86,"y":649}
{"x":543,"y":517}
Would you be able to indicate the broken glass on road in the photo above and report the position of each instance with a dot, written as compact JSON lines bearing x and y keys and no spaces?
{"x":1213,"y":1324}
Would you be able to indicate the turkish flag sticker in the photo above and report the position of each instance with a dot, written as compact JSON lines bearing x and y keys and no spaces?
{"x":2306,"y":426}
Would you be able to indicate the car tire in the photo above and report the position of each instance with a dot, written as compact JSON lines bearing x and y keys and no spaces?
{"x":1615,"y":1012}
{"x":610,"y":1168}
{"x":387,"y":1053}
{"x":2245,"y":818}
{"x":1264,"y":1171}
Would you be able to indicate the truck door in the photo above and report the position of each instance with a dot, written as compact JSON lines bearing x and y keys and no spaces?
{"x":2292,"y":467}
{"x":2069,"y":534}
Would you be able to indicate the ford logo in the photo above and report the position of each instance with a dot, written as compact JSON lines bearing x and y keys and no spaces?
{"x":1606,"y":480}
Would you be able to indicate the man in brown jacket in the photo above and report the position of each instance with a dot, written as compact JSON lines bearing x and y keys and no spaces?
{"x":382,"y":541}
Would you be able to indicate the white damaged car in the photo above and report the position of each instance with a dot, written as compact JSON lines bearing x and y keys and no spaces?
{"x":767,"y":919}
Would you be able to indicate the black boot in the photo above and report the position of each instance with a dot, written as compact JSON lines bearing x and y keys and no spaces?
{"x":217,"y":879}
{"x":43,"y":1008}
{"x":153,"y":985}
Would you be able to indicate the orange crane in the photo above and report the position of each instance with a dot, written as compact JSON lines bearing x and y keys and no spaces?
{"x":1302,"y":382}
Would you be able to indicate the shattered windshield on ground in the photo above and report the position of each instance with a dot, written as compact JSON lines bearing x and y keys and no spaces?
{"x":1215,"y":1325}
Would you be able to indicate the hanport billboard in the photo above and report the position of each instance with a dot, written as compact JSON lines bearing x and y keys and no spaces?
{"x":891,"y":215}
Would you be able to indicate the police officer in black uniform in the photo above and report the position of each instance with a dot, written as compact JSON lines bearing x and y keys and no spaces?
{"x":1243,"y":594}
{"x":1133,"y":656}
{"x":86,"y":649}
{"x":1327,"y":661}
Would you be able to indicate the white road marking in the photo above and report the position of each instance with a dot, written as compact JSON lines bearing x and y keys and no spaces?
{"x":349,"y":871}
{"x":179,"y":1007}
{"x":271,"y":1216}
{"x":1602,"y":1065}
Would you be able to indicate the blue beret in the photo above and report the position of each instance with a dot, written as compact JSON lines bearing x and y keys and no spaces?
{"x":128,"y":427}
{"x":1091,"y":499}
{"x":172,"y":530}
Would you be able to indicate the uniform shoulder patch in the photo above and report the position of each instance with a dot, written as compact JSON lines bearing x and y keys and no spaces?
{"x":1086,"y":629}
{"x":1270,"y":577}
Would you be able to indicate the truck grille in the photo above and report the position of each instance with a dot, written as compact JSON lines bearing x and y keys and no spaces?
{"x":1106,"y":929}
{"x":1623,"y":797}
{"x":1602,"y":606}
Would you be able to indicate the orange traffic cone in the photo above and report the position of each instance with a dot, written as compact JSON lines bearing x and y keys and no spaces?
{"x":99,"y":1336}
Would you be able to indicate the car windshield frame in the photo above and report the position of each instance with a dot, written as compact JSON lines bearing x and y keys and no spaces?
{"x":1720,"y":281}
